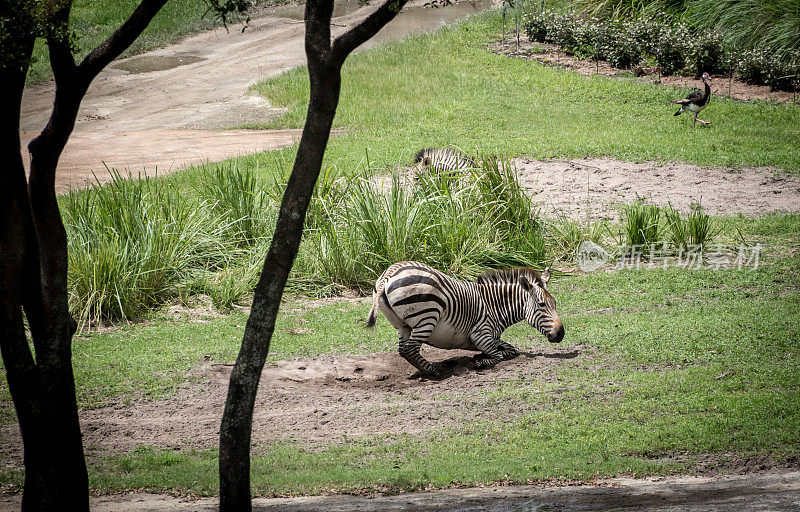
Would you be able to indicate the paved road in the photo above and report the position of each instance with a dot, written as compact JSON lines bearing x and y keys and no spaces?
{"x":749,"y":493}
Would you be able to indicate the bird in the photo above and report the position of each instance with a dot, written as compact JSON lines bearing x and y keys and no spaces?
{"x":696,"y":101}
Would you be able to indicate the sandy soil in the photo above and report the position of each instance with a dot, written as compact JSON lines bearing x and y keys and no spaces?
{"x":547,"y":53}
{"x":568,"y":186}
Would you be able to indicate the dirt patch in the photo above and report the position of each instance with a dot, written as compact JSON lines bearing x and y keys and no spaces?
{"x":570,"y":187}
{"x":314,"y":401}
{"x":551,"y":55}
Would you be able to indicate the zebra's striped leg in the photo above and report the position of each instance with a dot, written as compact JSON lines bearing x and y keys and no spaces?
{"x":509,"y":351}
{"x":409,"y":349}
{"x":490,"y":355}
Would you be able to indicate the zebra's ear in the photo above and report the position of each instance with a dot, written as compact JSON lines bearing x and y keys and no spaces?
{"x":546,"y":275}
{"x":526,"y":285}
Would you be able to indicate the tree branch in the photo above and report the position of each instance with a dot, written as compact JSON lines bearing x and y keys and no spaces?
{"x":61,"y":60}
{"x":119,"y":41}
{"x":350,"y":40}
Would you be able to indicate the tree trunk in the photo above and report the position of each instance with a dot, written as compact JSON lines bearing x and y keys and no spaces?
{"x":325,"y":61}
{"x":33,"y":253}
{"x":236,"y":428}
{"x":43,"y":390}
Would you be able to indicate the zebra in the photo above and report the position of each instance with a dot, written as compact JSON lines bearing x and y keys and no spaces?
{"x":443,"y":161}
{"x":427,"y":306}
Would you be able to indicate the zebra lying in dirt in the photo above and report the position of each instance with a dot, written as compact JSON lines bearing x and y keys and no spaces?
{"x":442,"y":161}
{"x":426,"y":306}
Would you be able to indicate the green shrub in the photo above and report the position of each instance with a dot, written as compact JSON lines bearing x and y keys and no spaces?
{"x":671,"y":48}
{"x":673,"y":44}
{"x":561,"y":30}
{"x":592,"y":39}
{"x":760,"y":66}
{"x":623,"y":49}
{"x":706,"y":54}
{"x":536,"y":24}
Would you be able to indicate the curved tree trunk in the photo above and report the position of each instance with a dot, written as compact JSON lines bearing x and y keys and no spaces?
{"x":33,"y":252}
{"x":325,"y":62}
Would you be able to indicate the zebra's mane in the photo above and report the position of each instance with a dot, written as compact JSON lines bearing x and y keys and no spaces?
{"x":510,"y":275}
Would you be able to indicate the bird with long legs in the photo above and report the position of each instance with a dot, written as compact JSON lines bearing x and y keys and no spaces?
{"x":696,"y":101}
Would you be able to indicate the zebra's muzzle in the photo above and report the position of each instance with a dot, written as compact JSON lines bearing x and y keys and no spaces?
{"x":556,"y":335}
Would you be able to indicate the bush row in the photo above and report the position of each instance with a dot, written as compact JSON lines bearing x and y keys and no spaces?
{"x":672,"y":45}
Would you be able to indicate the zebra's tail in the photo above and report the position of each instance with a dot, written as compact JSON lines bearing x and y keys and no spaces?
{"x":376,"y":293}
{"x":373,"y":315}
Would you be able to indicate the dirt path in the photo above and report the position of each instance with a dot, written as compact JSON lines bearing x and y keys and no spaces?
{"x":169,"y":118}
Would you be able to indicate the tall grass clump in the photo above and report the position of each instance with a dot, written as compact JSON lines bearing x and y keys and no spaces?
{"x":642,"y":224}
{"x":239,"y":200}
{"x":696,"y":229}
{"x":129,"y":243}
{"x":770,"y":24}
{"x":462,"y":225}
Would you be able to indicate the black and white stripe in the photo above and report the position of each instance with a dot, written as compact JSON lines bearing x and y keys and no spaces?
{"x":426,"y":306}
{"x":442,"y":161}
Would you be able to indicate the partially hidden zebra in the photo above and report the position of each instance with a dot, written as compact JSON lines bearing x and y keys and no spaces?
{"x":441,"y":162}
{"x":427,"y":306}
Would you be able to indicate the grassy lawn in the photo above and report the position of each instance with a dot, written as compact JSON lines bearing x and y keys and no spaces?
{"x":682,"y":362}
{"x":447,"y":89}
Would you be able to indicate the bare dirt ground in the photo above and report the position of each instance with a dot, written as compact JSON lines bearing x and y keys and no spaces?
{"x":570,"y":187}
{"x":550,"y":54}
{"x":598,"y":186}
{"x":319,"y":400}
{"x":315,"y":401}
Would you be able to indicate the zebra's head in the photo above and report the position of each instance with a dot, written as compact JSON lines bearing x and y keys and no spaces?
{"x":540,"y":308}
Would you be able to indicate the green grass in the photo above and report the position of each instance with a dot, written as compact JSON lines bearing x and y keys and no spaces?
{"x":94,"y":20}
{"x":676,"y":362}
{"x":446,"y":88}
